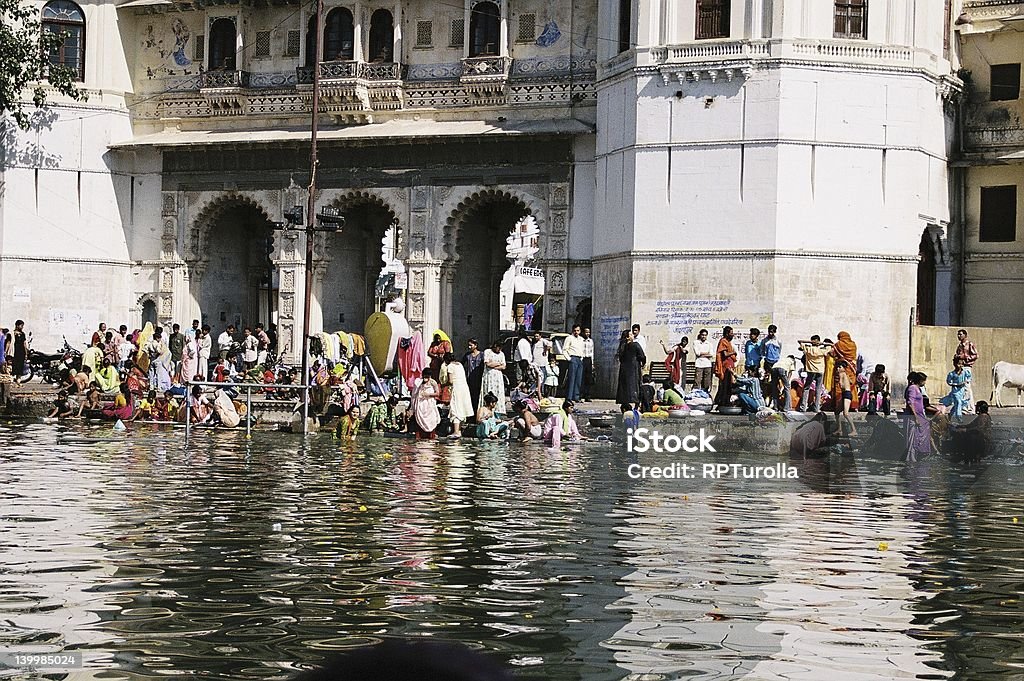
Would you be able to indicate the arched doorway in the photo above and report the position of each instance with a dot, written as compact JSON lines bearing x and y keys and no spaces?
{"x":926,"y":271}
{"x":484,"y":30}
{"x":222,"y":45}
{"x":354,"y":263}
{"x":148,"y":313}
{"x":382,"y":36}
{"x":478,"y":260}
{"x":233,"y":287}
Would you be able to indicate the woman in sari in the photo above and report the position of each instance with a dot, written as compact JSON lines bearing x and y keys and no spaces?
{"x":461,"y":404}
{"x":958,"y":379}
{"x":631,"y":358}
{"x":494,"y":376}
{"x":918,"y":428}
{"x":675,"y":361}
{"x":844,"y":349}
{"x":439,"y":347}
{"x":189,"y":360}
{"x":424,"y":406}
{"x":123,"y":407}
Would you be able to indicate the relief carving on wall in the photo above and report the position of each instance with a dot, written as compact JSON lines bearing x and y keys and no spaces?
{"x":558,"y":222}
{"x":419,"y":198}
{"x":166,"y":281}
{"x":417,"y":308}
{"x":559,"y":195}
{"x":169,"y":203}
{"x":419,"y":281}
{"x":288,"y":280}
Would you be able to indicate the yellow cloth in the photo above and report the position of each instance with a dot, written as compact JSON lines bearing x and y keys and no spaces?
{"x":442,"y":334}
{"x":358,"y":345}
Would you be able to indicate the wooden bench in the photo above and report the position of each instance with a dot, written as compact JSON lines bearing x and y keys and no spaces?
{"x":659,"y":373}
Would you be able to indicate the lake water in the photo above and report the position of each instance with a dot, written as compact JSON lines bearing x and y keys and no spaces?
{"x":248,"y":560}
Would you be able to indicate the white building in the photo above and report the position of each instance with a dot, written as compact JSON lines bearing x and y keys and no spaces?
{"x":689,"y":163}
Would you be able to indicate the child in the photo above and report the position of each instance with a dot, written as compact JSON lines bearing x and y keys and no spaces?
{"x":648,"y":394}
{"x":878,"y":390}
{"x":92,"y":401}
{"x":348,"y":425}
{"x":221,"y":372}
{"x":842,"y":408}
{"x":165,"y":407}
{"x":976,"y":437}
{"x":147,"y":408}
{"x":61,"y":406}
{"x":551,"y":378}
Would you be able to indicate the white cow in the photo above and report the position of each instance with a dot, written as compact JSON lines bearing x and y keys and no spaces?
{"x":1008,"y":375}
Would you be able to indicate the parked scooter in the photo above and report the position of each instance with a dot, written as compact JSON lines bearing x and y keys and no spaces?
{"x":53,"y":367}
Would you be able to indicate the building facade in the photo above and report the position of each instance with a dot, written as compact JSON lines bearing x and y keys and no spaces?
{"x":688,"y":163}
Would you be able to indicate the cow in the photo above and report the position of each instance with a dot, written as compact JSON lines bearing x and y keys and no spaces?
{"x":1009,"y":375}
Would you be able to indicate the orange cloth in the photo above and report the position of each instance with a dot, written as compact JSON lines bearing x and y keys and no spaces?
{"x":845,"y":349}
{"x":725,"y":357}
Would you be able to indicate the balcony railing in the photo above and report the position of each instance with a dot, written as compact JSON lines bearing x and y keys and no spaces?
{"x":486,"y":67}
{"x":344,"y":70}
{"x":224,"y":79}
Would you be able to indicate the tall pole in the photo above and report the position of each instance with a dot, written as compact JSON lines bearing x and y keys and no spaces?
{"x":311,"y":212}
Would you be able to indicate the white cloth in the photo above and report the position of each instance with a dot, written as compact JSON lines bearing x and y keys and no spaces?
{"x":250,"y":345}
{"x":224,"y":341}
{"x":523,"y":350}
{"x":588,"y":347}
{"x":461,"y":405}
{"x":703,"y":347}
{"x":572,"y":346}
{"x":494,"y":381}
{"x":540,"y":352}
{"x":225,"y":409}
{"x":641,"y":340}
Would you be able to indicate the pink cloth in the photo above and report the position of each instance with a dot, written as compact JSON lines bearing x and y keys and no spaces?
{"x":411,"y":360}
{"x":553,"y":432}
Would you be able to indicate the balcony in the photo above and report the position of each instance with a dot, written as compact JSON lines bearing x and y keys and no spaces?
{"x":224,"y":91}
{"x":350,"y":90}
{"x":486,"y":78}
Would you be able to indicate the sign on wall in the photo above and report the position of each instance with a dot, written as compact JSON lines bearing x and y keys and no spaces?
{"x":73,"y":323}
{"x":684,"y":317}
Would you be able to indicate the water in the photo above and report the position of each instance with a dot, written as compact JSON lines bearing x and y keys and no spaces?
{"x":239,"y":560}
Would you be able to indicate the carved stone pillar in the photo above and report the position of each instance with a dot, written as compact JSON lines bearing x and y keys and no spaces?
{"x":555,"y":257}
{"x":291,"y":273}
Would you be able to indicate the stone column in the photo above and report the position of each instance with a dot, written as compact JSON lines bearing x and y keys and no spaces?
{"x":423,"y":309}
{"x":466,"y":15}
{"x":291,"y":273}
{"x":396,"y":45}
{"x":357,"y":37}
{"x":503,"y":35}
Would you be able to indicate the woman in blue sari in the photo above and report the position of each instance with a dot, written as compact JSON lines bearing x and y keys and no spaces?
{"x":958,"y":379}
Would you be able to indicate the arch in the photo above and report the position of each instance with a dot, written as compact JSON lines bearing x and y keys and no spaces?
{"x":382,"y":36}
{"x":474,"y":198}
{"x":196,"y":249}
{"x":147,"y":306}
{"x":930,"y":256}
{"x":222,"y":44}
{"x":485,"y":30}
{"x":339,"y":35}
{"x":64,"y":17}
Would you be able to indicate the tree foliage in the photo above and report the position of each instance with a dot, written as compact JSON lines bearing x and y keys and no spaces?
{"x":24,"y":62}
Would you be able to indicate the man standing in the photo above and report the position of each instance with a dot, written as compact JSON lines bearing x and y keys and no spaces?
{"x":725,"y":367}
{"x":640,"y":340}
{"x":588,"y":366}
{"x":539,"y":350}
{"x":967,"y":353}
{"x":176,"y":344}
{"x":704,"y":356}
{"x":752,"y":354}
{"x":203,"y":343}
{"x":99,"y":335}
{"x":224,"y":341}
{"x":814,"y":361}
{"x":771,"y":349}
{"x":193,"y":333}
{"x":573,"y":349}
{"x":263,"y":344}
{"x":522,"y":356}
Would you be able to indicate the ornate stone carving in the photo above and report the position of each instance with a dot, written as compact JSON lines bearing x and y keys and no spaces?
{"x":166,"y":305}
{"x":166,"y":281}
{"x":419,"y":281}
{"x":419,"y":223}
{"x":558,"y":281}
{"x":557,"y":248}
{"x":417,"y":308}
{"x":419,"y":198}
{"x":443,"y":193}
{"x":558,"y":222}
{"x":419,"y":247}
{"x":169,"y":204}
{"x":559,"y":195}
{"x":287,"y":306}
{"x":554,"y":313}
{"x":288,"y":280}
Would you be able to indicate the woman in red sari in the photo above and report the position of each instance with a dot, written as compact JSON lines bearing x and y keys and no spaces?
{"x":439,"y":347}
{"x":675,"y":361}
{"x":844,"y":349}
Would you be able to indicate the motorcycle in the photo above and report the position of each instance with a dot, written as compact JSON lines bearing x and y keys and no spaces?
{"x":53,"y":367}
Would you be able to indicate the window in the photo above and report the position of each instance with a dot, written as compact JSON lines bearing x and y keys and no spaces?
{"x":292,"y":47}
{"x":998,"y":213}
{"x":65,"y":18}
{"x":527,"y":28}
{"x":222,"y":44}
{"x":424,"y":33}
{"x":199,"y":49}
{"x":625,"y":24}
{"x":484,"y":29}
{"x":851,"y":19}
{"x":339,"y":35}
{"x":382,"y":36}
{"x":261,"y":49}
{"x":458,"y":28}
{"x":1005,"y":82}
{"x":712,"y":19}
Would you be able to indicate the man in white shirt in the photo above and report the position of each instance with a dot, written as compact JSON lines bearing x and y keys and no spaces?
{"x":640,"y":340}
{"x":573,"y":349}
{"x":224,"y":341}
{"x":704,"y":357}
{"x":523,"y":355}
{"x":588,"y":366}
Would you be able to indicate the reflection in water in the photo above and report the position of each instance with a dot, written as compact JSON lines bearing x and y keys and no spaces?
{"x":246,"y":560}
